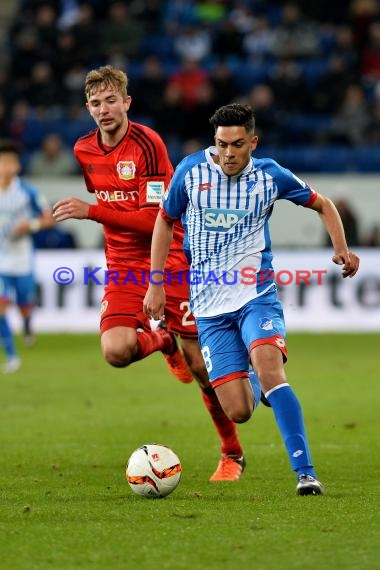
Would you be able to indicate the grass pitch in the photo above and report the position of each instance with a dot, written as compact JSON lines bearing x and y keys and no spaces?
{"x":69,"y":422}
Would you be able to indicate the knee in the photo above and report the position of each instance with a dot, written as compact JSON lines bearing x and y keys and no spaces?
{"x":239,"y":415}
{"x":117,"y":357}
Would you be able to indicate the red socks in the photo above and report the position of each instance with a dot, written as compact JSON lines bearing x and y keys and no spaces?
{"x":153,"y":341}
{"x":226,"y":428}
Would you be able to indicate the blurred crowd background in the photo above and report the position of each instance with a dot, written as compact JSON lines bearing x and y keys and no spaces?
{"x":310,"y":69}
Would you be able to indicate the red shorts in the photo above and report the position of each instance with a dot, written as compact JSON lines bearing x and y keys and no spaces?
{"x":122,"y":304}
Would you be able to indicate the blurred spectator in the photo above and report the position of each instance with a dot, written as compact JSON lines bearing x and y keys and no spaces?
{"x":223,"y":83}
{"x":197,"y":118}
{"x":20,"y":113}
{"x":170,"y":123}
{"x":68,"y":53}
{"x":193,"y":42}
{"x":190,"y":89}
{"x":73,"y":84}
{"x":330,"y":90}
{"x":68,"y":14}
{"x":52,"y":160}
{"x":296,"y":36}
{"x":120,"y":31}
{"x":242,"y":16}
{"x":44,"y":91}
{"x":351,"y":122}
{"x":370,"y":66}
{"x":350,"y":223}
{"x":259,"y":43}
{"x":149,"y":89}
{"x":26,"y":52}
{"x":268,"y":121}
{"x":188,"y":79}
{"x":86,"y":33}
{"x":228,"y":40}
{"x":373,"y":237}
{"x":362,"y":13}
{"x":46,"y":20}
{"x":179,"y":12}
{"x":4,"y":120}
{"x":308,"y":54}
{"x":148,"y":12}
{"x":345,"y":47}
{"x":288,"y":84}
{"x":373,"y":131}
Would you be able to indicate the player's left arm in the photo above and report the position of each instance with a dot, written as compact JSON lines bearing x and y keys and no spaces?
{"x":292,"y":188}
{"x":334,"y":227}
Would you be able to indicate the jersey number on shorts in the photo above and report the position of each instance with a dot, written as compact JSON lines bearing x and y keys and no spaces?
{"x":185,"y":306}
{"x":207,"y":358}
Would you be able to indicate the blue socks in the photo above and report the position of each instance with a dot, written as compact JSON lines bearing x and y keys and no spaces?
{"x":6,"y":338}
{"x":288,"y":414}
{"x":256,"y":388}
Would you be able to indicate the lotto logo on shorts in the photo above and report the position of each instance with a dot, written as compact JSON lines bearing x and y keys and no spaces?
{"x":219,"y":220}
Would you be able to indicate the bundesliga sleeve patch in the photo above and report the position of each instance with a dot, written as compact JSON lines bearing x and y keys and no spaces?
{"x":155,"y":191}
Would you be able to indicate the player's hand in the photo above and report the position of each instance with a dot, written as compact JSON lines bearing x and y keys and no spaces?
{"x":70,"y":208}
{"x":350,"y":262}
{"x":154,"y":302}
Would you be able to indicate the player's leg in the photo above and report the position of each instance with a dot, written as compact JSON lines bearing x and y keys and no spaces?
{"x":231,"y":463}
{"x":181,"y":321}
{"x":25,"y":287}
{"x":125,"y":332}
{"x":227,"y":368}
{"x":263,"y":330}
{"x":13,"y":362}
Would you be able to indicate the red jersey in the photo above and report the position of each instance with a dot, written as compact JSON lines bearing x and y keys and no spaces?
{"x":129,"y":181}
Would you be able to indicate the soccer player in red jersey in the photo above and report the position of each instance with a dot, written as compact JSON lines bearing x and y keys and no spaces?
{"x":126,"y":165}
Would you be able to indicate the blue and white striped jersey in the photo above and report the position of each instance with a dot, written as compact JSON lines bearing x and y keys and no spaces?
{"x":20,"y":201}
{"x":226,"y":223}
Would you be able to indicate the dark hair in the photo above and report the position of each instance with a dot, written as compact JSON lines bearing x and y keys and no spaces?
{"x":9,"y":146}
{"x":233,"y":115}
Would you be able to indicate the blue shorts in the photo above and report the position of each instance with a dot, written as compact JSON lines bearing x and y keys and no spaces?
{"x":20,"y":289}
{"x":226,"y":340}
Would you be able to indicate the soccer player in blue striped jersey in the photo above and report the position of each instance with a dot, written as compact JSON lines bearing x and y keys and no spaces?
{"x":227,"y":196}
{"x":23,"y":211}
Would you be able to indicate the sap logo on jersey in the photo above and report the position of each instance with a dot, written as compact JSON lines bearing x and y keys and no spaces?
{"x":219,"y":220}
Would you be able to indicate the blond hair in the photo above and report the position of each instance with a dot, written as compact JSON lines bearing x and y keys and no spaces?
{"x":105,"y":77}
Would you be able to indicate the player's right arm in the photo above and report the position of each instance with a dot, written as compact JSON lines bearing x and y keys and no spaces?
{"x":141,"y":221}
{"x":173,"y":205}
{"x":154,"y":301}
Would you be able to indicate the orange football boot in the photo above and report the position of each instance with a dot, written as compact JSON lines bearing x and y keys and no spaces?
{"x":229,"y":469}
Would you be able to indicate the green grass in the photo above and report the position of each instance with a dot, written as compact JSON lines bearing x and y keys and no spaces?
{"x":69,"y":421}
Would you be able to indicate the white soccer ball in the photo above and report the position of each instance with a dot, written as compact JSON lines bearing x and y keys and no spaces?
{"x":153,"y":471}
